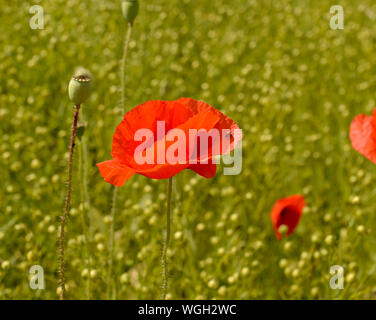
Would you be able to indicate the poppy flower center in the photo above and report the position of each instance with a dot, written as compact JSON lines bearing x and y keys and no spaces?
{"x":82,"y":78}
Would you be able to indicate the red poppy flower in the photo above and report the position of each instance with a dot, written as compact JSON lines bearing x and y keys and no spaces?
{"x":139,"y":136}
{"x":363,"y":135}
{"x":287,"y":211}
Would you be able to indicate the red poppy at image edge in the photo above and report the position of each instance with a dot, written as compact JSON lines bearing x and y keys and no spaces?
{"x":184,"y":114}
{"x":287,"y":211}
{"x":363,"y":135}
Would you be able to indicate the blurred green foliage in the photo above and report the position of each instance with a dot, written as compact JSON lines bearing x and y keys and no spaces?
{"x":275,"y":67}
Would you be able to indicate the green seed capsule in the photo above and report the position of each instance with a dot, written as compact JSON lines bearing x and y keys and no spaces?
{"x":81,"y":71}
{"x":129,"y":9}
{"x":79,"y":89}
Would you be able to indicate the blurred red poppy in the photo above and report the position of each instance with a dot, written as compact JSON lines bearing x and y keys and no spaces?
{"x":287,"y":211}
{"x":141,"y":145}
{"x":363,"y":135}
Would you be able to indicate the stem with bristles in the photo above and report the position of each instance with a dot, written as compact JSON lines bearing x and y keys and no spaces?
{"x":67,"y":205}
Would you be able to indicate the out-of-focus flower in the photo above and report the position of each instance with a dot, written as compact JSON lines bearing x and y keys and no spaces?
{"x":363,"y":135}
{"x":287,"y":211}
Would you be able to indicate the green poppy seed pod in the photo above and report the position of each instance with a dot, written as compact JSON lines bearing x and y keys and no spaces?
{"x":81,"y":71}
{"x":79,"y":89}
{"x":129,"y":9}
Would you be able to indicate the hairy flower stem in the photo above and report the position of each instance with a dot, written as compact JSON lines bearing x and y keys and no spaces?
{"x":115,"y":191}
{"x":166,"y":240}
{"x":66,"y":206}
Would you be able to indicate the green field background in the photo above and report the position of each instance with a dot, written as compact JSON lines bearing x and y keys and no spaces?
{"x":290,"y":82}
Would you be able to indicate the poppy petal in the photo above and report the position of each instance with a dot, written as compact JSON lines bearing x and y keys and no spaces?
{"x":362,"y":136}
{"x":146,"y":116}
{"x":287,"y":211}
{"x":132,"y":154}
{"x":223,"y":123}
{"x":206,"y":170}
{"x":203,"y":120}
{"x":163,"y":171}
{"x":114,"y":172}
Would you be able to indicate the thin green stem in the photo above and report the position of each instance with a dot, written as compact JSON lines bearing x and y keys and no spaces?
{"x":111,"y":243}
{"x":123,"y":65}
{"x":66,"y":206}
{"x":84,"y":223}
{"x":87,"y":204}
{"x":115,"y":191}
{"x":85,"y":208}
{"x":166,"y":241}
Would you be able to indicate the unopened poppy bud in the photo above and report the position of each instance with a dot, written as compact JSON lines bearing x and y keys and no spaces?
{"x":283,"y":229}
{"x":79,"y":89}
{"x":129,"y":9}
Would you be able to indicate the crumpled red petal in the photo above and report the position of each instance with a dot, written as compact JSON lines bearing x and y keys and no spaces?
{"x":363,"y":135}
{"x":146,"y":116}
{"x":114,"y":172}
{"x":184,"y":114}
{"x":287,"y":211}
{"x":205,"y":170}
{"x":202,"y":120}
{"x":224,"y":122}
